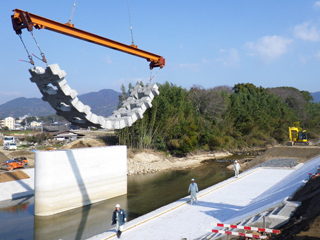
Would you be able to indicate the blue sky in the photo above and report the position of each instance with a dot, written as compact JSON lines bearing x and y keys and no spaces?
{"x":209,"y":43}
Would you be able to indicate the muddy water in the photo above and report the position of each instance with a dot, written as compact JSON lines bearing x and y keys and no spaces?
{"x":145,"y":193}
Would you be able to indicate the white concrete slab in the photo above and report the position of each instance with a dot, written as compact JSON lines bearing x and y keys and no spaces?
{"x":18,"y":188}
{"x":228,"y":202}
{"x":68,"y":179}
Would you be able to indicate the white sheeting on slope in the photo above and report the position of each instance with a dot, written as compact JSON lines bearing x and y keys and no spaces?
{"x":227,"y":202}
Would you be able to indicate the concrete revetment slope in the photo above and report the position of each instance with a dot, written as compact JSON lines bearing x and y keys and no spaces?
{"x":74,"y":178}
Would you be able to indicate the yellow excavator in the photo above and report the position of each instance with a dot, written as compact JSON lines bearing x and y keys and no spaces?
{"x":297,"y":137}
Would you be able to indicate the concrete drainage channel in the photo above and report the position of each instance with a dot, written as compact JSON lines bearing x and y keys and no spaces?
{"x":272,"y":218}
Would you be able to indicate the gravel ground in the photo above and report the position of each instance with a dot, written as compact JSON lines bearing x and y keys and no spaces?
{"x":280,"y":163}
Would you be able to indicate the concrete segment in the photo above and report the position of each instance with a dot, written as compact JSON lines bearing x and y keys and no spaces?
{"x":64,"y":100}
{"x":18,"y":188}
{"x":69,"y":179}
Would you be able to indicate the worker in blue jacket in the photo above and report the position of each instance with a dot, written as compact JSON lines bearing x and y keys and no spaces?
{"x":119,"y":217}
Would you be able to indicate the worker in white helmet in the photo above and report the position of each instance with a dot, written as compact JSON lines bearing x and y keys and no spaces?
{"x":236,"y":167}
{"x":193,"y":188}
{"x":119,"y":217}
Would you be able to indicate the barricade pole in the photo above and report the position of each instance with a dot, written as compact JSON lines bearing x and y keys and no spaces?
{"x":267,"y":230}
{"x":239,"y":234}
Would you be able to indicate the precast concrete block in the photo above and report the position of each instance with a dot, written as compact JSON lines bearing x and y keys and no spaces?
{"x":141,"y":105}
{"x":147,"y":101}
{"x":128,"y":121}
{"x":69,"y":179}
{"x":107,"y":124}
{"x":126,"y":105}
{"x":120,"y":123}
{"x":64,"y":100}
{"x":138,"y":112}
{"x":55,"y":72}
{"x":133,"y":115}
{"x":120,"y":112}
{"x":155,"y":89}
{"x":79,"y":106}
{"x":93,"y":118}
{"x":134,"y":93}
{"x":49,"y":90}
{"x":78,"y":120}
{"x":36,"y":71}
{"x":116,"y":122}
{"x":63,"y":107}
{"x":66,"y":89}
{"x":67,"y":116}
{"x":129,"y":99}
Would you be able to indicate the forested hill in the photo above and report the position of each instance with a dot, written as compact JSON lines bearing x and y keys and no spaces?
{"x":103,"y":103}
{"x":245,"y":115}
{"x":316,"y":96}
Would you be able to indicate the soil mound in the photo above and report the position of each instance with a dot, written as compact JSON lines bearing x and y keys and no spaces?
{"x":12,"y":176}
{"x":83,"y":143}
{"x":302,"y":153}
{"x":3,"y":158}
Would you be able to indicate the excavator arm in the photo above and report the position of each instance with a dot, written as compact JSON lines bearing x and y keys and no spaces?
{"x":22,"y":19}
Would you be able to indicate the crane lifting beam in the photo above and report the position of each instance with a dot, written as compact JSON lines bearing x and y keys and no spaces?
{"x":22,"y":19}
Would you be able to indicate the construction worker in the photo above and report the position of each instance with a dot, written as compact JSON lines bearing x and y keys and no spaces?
{"x":119,"y":217}
{"x":193,"y":188}
{"x":236,"y":167}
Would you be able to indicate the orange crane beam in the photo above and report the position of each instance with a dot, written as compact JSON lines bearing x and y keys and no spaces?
{"x":22,"y":19}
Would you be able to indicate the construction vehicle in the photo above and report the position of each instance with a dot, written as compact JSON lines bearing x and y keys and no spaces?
{"x":11,"y":164}
{"x":297,"y":137}
{"x":62,"y":98}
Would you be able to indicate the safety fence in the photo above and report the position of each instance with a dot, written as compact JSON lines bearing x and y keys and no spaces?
{"x":247,"y":228}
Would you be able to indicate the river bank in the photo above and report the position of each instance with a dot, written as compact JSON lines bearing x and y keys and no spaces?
{"x":149,"y":161}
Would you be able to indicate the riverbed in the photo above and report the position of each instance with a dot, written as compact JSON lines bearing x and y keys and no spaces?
{"x":146,"y":192}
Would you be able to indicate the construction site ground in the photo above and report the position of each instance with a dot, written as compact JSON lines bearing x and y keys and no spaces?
{"x":305,"y":224}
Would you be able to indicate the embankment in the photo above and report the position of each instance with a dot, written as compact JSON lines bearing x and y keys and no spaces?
{"x":302,"y":153}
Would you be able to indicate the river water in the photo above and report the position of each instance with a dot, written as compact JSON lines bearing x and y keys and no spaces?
{"x":145,"y":193}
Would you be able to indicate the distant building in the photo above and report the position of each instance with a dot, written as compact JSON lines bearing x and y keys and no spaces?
{"x":68,"y":135}
{"x":35,"y":124}
{"x":8,"y":122}
{"x":18,"y":126}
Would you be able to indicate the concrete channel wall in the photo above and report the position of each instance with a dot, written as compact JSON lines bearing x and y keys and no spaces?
{"x":69,"y":179}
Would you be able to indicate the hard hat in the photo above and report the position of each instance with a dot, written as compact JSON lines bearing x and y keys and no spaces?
{"x":192,"y":180}
{"x":118,"y":205}
{"x":235,"y":161}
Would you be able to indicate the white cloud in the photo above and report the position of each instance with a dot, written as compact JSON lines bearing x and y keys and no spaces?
{"x":304,"y":59}
{"x":307,"y":31}
{"x":317,"y":5}
{"x":194,"y":67}
{"x":205,"y":61}
{"x":107,"y":60}
{"x":230,"y":57}
{"x":11,"y":94}
{"x":125,"y":81}
{"x":269,"y":47}
{"x":318,"y":55}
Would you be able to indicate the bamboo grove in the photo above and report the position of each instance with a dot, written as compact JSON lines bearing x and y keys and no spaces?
{"x":223,"y":117}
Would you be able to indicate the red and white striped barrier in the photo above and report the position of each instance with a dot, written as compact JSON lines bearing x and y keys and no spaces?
{"x":239,"y":234}
{"x":268,"y":230}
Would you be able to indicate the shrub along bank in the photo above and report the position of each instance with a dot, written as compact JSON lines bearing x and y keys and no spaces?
{"x":181,"y":121}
